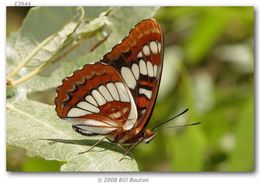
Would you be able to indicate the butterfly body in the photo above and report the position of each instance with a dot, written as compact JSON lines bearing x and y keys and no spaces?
{"x":115,"y":97}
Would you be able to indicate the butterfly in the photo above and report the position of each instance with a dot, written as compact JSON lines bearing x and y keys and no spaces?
{"x":115,"y":96}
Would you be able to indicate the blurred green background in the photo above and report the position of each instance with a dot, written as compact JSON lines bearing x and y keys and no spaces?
{"x":209,"y":68}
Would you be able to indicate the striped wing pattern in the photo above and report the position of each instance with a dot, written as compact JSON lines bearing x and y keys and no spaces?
{"x":96,"y":97}
{"x":118,"y":92}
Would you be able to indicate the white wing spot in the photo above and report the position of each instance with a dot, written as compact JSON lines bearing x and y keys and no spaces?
{"x":140,"y":54}
{"x":115,"y":115}
{"x":86,"y":106}
{"x":125,"y":110}
{"x":143,"y":111}
{"x":135,"y":71}
{"x":91,"y":100}
{"x":153,"y":47}
{"x":159,"y":47}
{"x":99,"y":98}
{"x":146,"y":92}
{"x":150,"y":68}
{"x":94,"y":126}
{"x":103,"y":90}
{"x":128,"y":77}
{"x":146,"y":50}
{"x":154,"y":70}
{"x":76,"y":112}
{"x":112,"y":89}
{"x":142,"y":66}
{"x":96,"y":123}
{"x":132,"y":116}
{"x":122,"y":92}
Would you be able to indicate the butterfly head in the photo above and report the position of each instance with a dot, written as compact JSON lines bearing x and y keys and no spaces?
{"x":148,"y":135}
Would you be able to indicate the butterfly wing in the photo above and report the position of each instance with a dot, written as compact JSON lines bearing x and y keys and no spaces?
{"x":96,"y":98}
{"x":121,"y":90}
{"x":139,"y":60}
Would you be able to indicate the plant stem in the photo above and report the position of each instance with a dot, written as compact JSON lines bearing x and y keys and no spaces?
{"x":28,"y":76}
{"x":29,"y":57}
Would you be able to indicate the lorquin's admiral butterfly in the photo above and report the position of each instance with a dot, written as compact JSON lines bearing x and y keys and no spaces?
{"x":115,"y":96}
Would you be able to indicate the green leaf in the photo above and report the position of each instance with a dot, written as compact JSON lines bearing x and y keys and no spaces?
{"x":37,"y":164}
{"x":36,"y":127}
{"x":242,"y":158}
{"x":122,"y":20}
{"x":37,"y":40}
{"x":207,"y":31}
{"x":32,"y":55}
{"x":188,"y":149}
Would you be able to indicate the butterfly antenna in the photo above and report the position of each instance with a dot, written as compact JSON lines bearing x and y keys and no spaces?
{"x":170,"y":119}
{"x":180,"y":126}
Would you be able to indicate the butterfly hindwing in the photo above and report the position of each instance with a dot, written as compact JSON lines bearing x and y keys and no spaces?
{"x":95,"y":94}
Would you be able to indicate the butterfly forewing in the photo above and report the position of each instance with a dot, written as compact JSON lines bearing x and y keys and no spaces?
{"x":138,"y":58}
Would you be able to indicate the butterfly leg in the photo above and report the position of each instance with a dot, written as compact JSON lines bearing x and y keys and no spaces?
{"x":98,"y":142}
{"x":125,"y":150}
{"x":131,"y":147}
